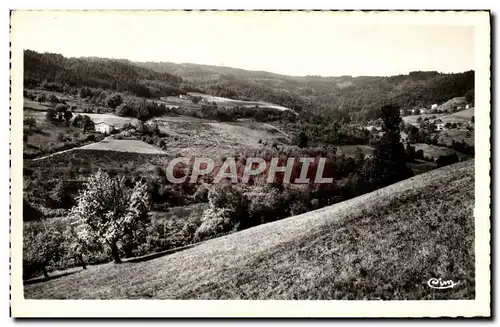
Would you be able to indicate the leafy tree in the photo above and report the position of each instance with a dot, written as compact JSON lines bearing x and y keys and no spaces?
{"x":85,"y":92}
{"x":123,"y":110}
{"x":40,"y":98}
{"x":469,"y":97}
{"x":67,"y":116}
{"x":412,"y":132}
{"x":410,"y":152}
{"x":87,"y":124}
{"x":61,"y":196}
{"x":114,"y":100}
{"x":50,"y":116}
{"x":143,"y":113}
{"x":389,"y":158}
{"x":109,"y":211}
{"x":52,"y":98}
{"x":302,"y":139}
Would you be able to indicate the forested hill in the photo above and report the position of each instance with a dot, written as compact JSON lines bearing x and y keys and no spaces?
{"x":318,"y":98}
{"x":358,"y":97}
{"x":57,"y":73}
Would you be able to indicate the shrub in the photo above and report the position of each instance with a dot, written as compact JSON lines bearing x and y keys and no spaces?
{"x":264,"y":205}
{"x":447,"y":160}
{"x":419,"y":154}
{"x":114,"y":100}
{"x":229,"y":197}
{"x":215,"y":222}
{"x":123,"y":110}
{"x":52,"y":98}
{"x":42,"y":247}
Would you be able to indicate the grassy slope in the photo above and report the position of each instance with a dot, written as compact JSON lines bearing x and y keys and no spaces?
{"x":383,"y":245}
{"x":124,"y":145}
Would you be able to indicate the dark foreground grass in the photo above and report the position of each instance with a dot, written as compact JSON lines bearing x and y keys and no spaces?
{"x":382,"y":245}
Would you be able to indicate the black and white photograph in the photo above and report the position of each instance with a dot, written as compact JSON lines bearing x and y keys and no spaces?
{"x":335,"y":160}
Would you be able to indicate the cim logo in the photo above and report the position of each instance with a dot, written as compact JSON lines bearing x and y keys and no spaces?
{"x":441,"y":284}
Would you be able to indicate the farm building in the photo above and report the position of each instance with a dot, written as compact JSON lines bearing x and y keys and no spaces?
{"x":104,"y":128}
{"x":440,"y":126}
{"x":434,"y":106}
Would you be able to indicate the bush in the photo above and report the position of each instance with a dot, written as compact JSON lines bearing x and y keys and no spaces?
{"x":264,"y":205}
{"x":50,"y":116}
{"x":447,"y":160}
{"x":114,"y":100}
{"x":41,"y":248}
{"x":215,"y":222}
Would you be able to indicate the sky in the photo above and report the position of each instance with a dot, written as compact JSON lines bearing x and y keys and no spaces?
{"x":287,"y":43}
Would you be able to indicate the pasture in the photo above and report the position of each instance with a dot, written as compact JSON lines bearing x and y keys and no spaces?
{"x":384,"y":245}
{"x":457,"y":135}
{"x":463,"y":116}
{"x":456,"y":117}
{"x":226,"y":102}
{"x":188,"y":136}
{"x":434,"y":151}
{"x":413,"y":119}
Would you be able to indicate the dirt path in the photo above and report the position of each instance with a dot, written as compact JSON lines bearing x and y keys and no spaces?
{"x":279,"y":130}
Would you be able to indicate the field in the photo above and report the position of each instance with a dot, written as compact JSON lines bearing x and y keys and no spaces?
{"x":136,"y":146}
{"x":457,"y":135}
{"x":350,"y":150}
{"x":413,"y":119}
{"x":384,"y":245}
{"x":434,"y":152}
{"x":77,"y":164}
{"x":30,"y":104}
{"x":462,"y":116}
{"x":200,"y":137}
{"x":457,"y":117}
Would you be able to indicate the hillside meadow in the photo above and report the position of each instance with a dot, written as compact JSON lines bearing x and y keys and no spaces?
{"x":384,"y":245}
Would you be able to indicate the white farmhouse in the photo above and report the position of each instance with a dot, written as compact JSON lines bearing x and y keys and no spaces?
{"x":434,"y":106}
{"x":104,"y":128}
